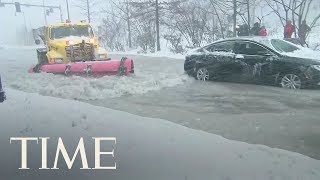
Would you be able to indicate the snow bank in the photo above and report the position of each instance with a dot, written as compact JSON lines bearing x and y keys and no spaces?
{"x":83,"y":88}
{"x":147,"y":78}
{"x":146,"y":148}
{"x":166,"y":54}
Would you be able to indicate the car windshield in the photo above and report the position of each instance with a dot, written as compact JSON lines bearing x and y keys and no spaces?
{"x":283,"y":46}
{"x":63,"y":32}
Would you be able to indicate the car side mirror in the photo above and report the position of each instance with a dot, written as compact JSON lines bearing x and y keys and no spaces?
{"x":2,"y":94}
{"x":201,"y":50}
{"x":239,"y":56}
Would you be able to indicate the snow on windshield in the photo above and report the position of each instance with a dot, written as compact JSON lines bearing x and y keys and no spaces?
{"x":283,"y":46}
{"x":290,"y":49}
{"x":304,"y":53}
{"x":278,"y":45}
{"x":77,"y":31}
{"x":72,"y":38}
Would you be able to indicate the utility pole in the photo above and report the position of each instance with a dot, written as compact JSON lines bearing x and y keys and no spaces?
{"x":249,"y":16}
{"x":157,"y":25}
{"x":68,"y":10}
{"x":88,"y":11}
{"x":61,"y":18}
{"x":234,"y":18}
{"x":128,"y":24}
{"x":26,"y":38}
{"x":44,"y":13}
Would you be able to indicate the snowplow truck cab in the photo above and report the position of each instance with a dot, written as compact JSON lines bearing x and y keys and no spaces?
{"x":69,"y":42}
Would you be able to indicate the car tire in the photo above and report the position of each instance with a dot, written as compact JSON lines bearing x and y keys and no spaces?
{"x":291,"y":81}
{"x":202,"y":74}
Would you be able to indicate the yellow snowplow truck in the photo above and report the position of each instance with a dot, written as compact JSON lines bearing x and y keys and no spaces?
{"x":68,"y":42}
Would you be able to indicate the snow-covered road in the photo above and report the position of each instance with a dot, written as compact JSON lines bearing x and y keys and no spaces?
{"x":146,"y":148}
{"x":255,"y":114}
{"x":149,"y":76}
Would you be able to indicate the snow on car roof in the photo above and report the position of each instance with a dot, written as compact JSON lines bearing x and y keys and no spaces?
{"x":266,"y":41}
{"x":261,"y":39}
{"x":301,"y":52}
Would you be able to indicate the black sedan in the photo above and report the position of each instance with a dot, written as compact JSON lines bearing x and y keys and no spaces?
{"x":258,"y":60}
{"x":2,"y":94}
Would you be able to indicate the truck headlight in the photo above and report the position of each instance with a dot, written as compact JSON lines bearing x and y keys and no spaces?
{"x":103,"y":56}
{"x":70,"y":42}
{"x":317,"y":67}
{"x":58,"y":60}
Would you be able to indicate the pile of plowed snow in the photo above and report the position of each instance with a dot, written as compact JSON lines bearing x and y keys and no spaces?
{"x":151,"y":74}
{"x":96,"y":88}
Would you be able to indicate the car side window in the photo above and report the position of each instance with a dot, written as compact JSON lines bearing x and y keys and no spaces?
{"x":248,"y":48}
{"x":226,"y":46}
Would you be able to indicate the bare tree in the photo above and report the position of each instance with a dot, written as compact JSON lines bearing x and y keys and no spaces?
{"x":123,"y":11}
{"x":297,"y":10}
{"x":190,"y":20}
{"x":87,"y":7}
{"x":112,"y":36}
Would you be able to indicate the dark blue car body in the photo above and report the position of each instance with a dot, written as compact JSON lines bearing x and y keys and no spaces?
{"x":2,"y":94}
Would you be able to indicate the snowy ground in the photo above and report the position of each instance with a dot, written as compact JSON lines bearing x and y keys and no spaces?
{"x":146,"y":148}
{"x":148,"y":77}
{"x":253,"y":114}
{"x":163,"y":53}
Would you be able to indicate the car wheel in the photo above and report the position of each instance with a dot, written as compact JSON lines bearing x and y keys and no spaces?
{"x":291,"y":81}
{"x":202,"y":74}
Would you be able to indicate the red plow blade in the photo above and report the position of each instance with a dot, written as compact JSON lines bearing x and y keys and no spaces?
{"x":121,"y":67}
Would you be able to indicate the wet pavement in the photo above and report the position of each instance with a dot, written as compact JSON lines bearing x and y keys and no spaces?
{"x":255,"y":114}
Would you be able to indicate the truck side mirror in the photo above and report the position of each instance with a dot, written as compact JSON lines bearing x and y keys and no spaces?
{"x":37,"y":41}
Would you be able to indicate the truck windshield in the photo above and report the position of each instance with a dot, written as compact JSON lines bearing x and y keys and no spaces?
{"x":64,"y":32}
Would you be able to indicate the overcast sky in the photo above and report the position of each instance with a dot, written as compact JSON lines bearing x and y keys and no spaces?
{"x":11,"y":22}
